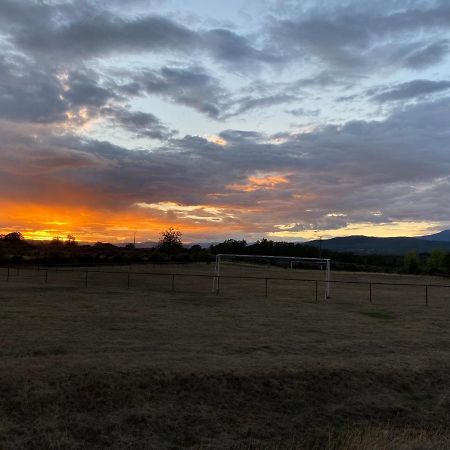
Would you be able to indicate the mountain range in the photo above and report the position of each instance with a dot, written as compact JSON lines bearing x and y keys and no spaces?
{"x":385,"y":246}
{"x":442,"y":236}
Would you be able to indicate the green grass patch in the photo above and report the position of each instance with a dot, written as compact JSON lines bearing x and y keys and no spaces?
{"x":382,"y":315}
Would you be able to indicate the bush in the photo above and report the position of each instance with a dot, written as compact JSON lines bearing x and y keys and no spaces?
{"x":435,"y":262}
{"x":412,"y":263}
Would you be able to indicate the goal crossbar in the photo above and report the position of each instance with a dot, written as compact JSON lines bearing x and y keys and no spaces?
{"x":319,"y":261}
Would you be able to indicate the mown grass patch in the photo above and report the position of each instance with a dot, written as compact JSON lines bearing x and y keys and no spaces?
{"x":382,"y":315}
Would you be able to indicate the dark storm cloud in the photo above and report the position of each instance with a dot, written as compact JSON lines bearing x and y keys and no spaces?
{"x":410,"y":90}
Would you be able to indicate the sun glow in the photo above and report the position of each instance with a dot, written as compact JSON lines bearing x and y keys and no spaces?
{"x":43,"y":222}
{"x":217,"y":140}
{"x":260,"y":182}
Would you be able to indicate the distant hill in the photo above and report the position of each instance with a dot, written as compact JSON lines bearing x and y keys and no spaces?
{"x":443,"y":236}
{"x":146,"y":244}
{"x":202,"y":244}
{"x":382,"y":246}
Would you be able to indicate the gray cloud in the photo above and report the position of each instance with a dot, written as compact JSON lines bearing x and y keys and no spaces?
{"x":358,"y":36}
{"x":84,"y":89}
{"x":53,"y":67}
{"x":28,"y":92}
{"x":428,"y":55}
{"x":409,"y":90}
{"x":299,"y":112}
{"x":138,"y":123}
{"x":35,"y":93}
{"x":195,"y":88}
{"x":84,"y":30}
{"x":103,"y":34}
{"x":245,"y":104}
{"x":190,"y":86}
{"x":228,"y":46}
{"x":352,"y":170}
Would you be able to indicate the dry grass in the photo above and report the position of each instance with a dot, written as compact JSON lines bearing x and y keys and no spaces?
{"x":108,"y":367}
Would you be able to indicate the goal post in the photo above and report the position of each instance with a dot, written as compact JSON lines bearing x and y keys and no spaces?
{"x":322,"y":263}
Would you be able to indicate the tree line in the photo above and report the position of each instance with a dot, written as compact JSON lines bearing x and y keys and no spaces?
{"x":170,"y":248}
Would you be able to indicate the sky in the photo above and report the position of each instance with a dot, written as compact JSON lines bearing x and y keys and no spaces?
{"x":241,"y":119}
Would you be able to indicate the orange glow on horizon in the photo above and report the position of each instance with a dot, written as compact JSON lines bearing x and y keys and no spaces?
{"x":43,"y":222}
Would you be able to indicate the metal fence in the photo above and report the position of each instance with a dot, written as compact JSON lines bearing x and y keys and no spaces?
{"x":126,"y":278}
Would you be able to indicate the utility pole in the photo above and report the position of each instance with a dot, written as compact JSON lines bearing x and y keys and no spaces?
{"x":134,"y":239}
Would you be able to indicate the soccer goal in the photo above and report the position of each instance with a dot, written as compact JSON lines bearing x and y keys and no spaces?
{"x":290,"y":262}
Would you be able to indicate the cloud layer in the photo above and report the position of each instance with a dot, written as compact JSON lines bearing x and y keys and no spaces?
{"x":314,"y":120}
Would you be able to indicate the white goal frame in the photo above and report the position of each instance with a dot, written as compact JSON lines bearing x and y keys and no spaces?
{"x":321,"y":262}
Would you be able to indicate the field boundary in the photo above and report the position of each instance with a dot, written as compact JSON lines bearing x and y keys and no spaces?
{"x":47,"y":269}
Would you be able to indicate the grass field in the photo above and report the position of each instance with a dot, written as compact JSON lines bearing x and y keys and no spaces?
{"x":111,"y":367}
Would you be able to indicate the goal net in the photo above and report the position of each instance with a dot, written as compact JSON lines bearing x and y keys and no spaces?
{"x":259,"y":264}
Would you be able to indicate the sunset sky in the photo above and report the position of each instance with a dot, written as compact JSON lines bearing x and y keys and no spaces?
{"x":237,"y":119}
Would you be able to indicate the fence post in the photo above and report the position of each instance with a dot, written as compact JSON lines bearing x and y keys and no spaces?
{"x":173,"y":282}
{"x":370,"y":292}
{"x":128,"y":280}
{"x":317,"y":290}
{"x":266,"y":288}
{"x":218,"y":285}
{"x":86,"y":279}
{"x":426,"y":294}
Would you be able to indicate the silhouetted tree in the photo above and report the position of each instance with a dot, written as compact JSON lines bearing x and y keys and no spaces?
{"x":71,"y":240}
{"x":170,"y":241}
{"x":230,"y":246}
{"x":196,"y":248}
{"x":105,"y":245}
{"x":57,"y":241}
{"x":16,"y":236}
